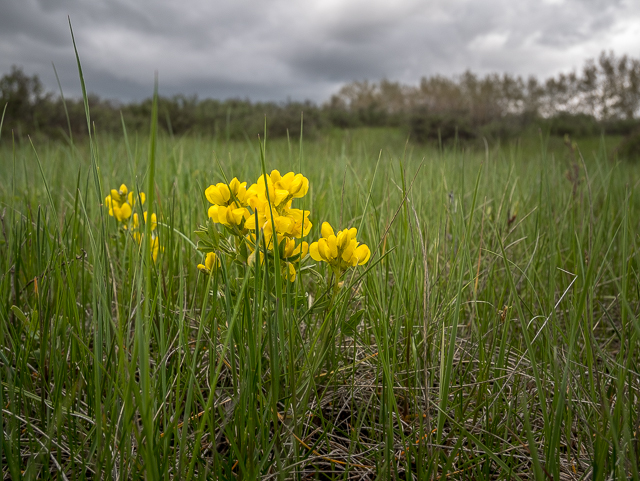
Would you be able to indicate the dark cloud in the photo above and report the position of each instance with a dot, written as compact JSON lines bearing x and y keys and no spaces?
{"x":279,"y":49}
{"x":23,"y":22}
{"x":331,"y":63}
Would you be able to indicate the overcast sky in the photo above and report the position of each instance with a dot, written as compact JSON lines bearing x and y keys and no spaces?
{"x":279,"y":50}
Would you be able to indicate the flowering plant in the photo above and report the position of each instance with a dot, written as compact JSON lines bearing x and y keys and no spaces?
{"x":120,"y":203}
{"x":261,"y":222}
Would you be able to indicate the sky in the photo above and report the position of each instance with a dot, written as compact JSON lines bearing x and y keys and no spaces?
{"x":277,"y":50}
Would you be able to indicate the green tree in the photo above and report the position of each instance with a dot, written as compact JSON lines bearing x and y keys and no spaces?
{"x":22,"y":96}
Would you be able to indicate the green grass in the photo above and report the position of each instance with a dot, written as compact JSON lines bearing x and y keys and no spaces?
{"x":493,"y":334}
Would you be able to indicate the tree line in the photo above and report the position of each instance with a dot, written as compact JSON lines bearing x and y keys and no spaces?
{"x":603,"y":96}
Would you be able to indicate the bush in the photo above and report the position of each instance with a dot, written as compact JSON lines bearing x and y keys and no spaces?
{"x":573,"y":125}
{"x":621,"y":126}
{"x":629,"y":147}
{"x":425,"y":126}
{"x":509,"y":126}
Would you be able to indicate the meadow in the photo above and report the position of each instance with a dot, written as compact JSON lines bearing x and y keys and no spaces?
{"x":492,"y":334}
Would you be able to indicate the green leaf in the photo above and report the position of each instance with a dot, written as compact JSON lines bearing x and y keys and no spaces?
{"x":20,"y":315}
{"x":348,"y":326}
{"x":320,"y":306}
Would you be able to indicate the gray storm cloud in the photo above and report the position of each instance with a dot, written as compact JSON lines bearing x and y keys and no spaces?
{"x":275,"y":50}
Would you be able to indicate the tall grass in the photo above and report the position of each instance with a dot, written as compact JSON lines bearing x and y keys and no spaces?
{"x":493,"y":334}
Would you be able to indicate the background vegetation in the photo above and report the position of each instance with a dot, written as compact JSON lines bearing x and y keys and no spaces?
{"x":604,"y":97}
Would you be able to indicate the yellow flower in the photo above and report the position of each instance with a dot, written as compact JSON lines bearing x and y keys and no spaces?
{"x":289,"y":222}
{"x":117,"y":204}
{"x":287,"y":247}
{"x":340,"y":251}
{"x":228,"y":215}
{"x":155,"y":247}
{"x":265,"y":191}
{"x":211,"y":261}
{"x":218,"y":194}
{"x":120,"y":195}
{"x":293,"y":223}
{"x":230,"y":202}
{"x":154,"y":221}
{"x":132,"y":200}
{"x":295,"y":184}
{"x":120,"y":203}
{"x":290,"y":271}
{"x":281,"y":190}
{"x":291,"y":250}
{"x":223,"y":194}
{"x":290,"y":254}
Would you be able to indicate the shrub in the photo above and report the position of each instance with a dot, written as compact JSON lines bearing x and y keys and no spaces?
{"x":425,"y":126}
{"x":574,"y":125}
{"x":629,"y":147}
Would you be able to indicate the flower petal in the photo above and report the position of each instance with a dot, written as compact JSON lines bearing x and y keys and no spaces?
{"x":343,"y":239}
{"x":275,"y":176}
{"x":211,"y":260}
{"x":280,"y":195}
{"x":363,"y":253}
{"x":115,"y":197}
{"x":314,"y":253}
{"x":292,"y":272}
{"x":332,"y":244}
{"x":326,"y":230}
{"x":213,"y":213}
{"x":348,"y":252}
{"x":236,"y":215}
{"x":124,"y":212}
{"x":324,"y":250}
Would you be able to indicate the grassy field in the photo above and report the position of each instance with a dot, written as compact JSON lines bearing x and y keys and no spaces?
{"x":493,"y":334}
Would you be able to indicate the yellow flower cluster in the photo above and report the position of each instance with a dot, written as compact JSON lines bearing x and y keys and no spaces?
{"x":120,"y":203}
{"x":230,"y":203}
{"x":155,"y":244}
{"x":340,"y":250}
{"x":264,"y":206}
{"x":210,"y":262}
{"x":272,"y":210}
